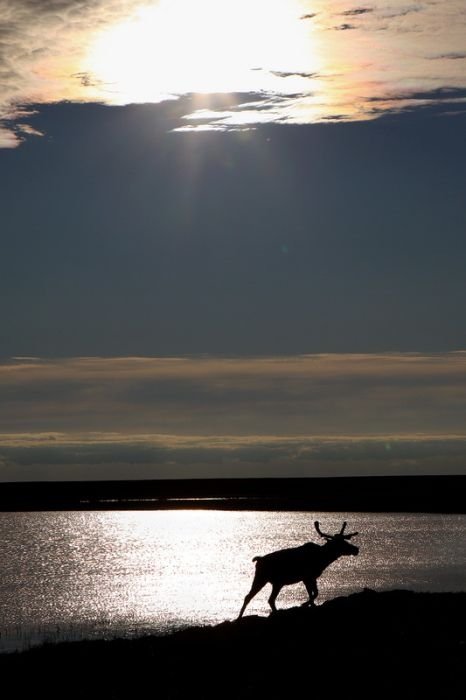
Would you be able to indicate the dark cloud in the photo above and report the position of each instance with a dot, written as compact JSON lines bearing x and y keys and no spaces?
{"x":357,"y":11}
{"x":453,"y":56}
{"x":309,"y":15}
{"x":394,"y":12}
{"x":293,"y":74}
{"x":87,"y":79}
{"x":113,"y":456}
{"x":335,"y":118}
{"x":441,"y":101}
{"x":322,"y":394}
{"x":439,"y":94}
{"x":344,"y":27}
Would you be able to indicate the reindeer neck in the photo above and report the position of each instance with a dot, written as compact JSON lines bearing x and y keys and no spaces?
{"x":329,"y":553}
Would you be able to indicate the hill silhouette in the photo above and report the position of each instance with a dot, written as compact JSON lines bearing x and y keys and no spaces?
{"x":396,"y":644}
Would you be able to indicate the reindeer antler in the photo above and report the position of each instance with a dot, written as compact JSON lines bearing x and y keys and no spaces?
{"x":342,"y":531}
{"x":322,"y":534}
{"x":340,"y":534}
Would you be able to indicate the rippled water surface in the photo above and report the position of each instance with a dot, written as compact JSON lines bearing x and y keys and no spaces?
{"x":93,"y":574}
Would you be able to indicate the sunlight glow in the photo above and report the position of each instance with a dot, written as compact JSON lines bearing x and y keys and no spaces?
{"x":180,"y":46}
{"x":293,"y":61}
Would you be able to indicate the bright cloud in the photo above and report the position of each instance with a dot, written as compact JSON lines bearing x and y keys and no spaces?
{"x":293,"y":52}
{"x":43,"y":43}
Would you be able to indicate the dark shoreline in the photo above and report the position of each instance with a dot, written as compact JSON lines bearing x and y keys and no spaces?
{"x":392,"y":644}
{"x":427,"y":494}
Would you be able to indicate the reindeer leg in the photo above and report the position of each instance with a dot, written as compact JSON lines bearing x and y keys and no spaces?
{"x":276,"y":588}
{"x":311,"y":588}
{"x":257,"y":585}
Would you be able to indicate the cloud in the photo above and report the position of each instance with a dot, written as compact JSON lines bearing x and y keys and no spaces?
{"x":43,"y":44}
{"x":100,"y":455}
{"x":257,"y":109}
{"x":8,"y":138}
{"x":293,"y":74}
{"x":401,"y":11}
{"x":438,"y":95}
{"x":29,"y":130}
{"x":274,"y":416}
{"x":445,"y":100}
{"x":357,"y":11}
{"x":453,"y":56}
{"x":86,"y":79}
{"x":34,"y":34}
{"x":344,"y":27}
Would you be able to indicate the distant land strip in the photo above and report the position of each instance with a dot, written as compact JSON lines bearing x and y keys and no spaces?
{"x":429,"y":494}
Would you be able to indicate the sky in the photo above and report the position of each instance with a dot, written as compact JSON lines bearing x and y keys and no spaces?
{"x":233,"y":238}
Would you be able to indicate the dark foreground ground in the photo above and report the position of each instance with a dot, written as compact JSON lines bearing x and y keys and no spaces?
{"x":369,"y":645}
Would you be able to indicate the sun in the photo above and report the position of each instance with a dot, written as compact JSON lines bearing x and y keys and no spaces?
{"x":183,"y":46}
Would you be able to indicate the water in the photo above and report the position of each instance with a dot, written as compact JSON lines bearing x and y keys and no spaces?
{"x":74,"y":575}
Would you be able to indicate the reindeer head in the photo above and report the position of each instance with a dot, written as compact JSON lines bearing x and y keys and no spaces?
{"x":339,"y":541}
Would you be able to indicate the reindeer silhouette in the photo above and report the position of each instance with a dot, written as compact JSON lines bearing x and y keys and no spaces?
{"x":305,"y":563}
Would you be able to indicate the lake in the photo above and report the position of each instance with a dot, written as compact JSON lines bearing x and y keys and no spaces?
{"x":74,"y":575}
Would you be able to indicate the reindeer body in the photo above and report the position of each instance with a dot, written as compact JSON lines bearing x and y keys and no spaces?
{"x":296,"y":564}
{"x":305,"y":563}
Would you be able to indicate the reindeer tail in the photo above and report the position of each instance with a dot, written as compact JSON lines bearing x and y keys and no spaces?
{"x":257,"y":558}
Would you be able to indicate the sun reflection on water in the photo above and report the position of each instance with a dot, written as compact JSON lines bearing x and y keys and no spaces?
{"x":67,"y":575}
